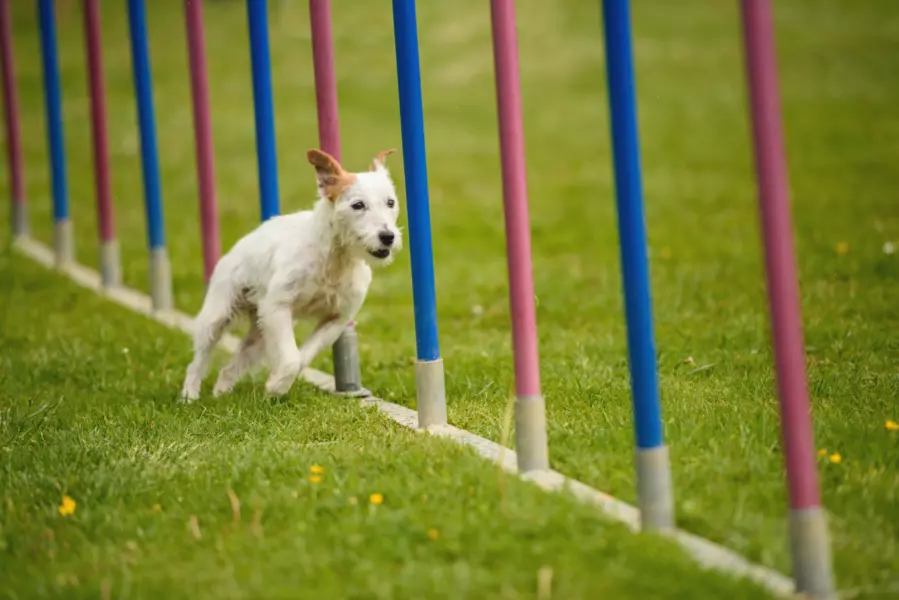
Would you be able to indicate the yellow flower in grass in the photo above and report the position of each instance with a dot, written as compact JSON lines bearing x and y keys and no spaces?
{"x":376,"y":498}
{"x":835,"y":458}
{"x":315,"y":479}
{"x":892,"y":425}
{"x":316,"y":470}
{"x":822,"y":452}
{"x":433,"y":533}
{"x":842,"y":248}
{"x":68,"y":506}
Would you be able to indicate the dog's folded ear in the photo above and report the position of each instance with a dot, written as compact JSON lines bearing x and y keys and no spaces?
{"x":332,"y":179}
{"x":381,"y":159}
{"x":323,"y":162}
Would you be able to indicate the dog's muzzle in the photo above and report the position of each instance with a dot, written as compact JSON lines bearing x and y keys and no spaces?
{"x":380,"y":252}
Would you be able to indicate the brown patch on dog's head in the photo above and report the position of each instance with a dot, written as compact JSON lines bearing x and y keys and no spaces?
{"x":381,"y":159}
{"x":332,"y":179}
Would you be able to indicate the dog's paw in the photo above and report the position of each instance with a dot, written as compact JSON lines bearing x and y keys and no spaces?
{"x":282,"y":378}
{"x":191,"y":390}
{"x":188,"y":396}
{"x":279,"y":383}
{"x":223,"y":385}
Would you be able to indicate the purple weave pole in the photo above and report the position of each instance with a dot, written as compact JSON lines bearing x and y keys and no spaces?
{"x":11,"y":121}
{"x":196,"y":48}
{"x":809,"y":537}
{"x":530,"y":417}
{"x":347,"y":371}
{"x":109,"y":256}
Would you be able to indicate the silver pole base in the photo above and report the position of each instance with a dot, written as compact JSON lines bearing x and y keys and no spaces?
{"x":655,"y":498}
{"x":110,"y":264}
{"x":63,"y":242}
{"x":530,"y":434}
{"x":430,"y":386}
{"x":347,"y":370}
{"x":19,"y":220}
{"x":160,"y":279}
{"x":810,"y":547}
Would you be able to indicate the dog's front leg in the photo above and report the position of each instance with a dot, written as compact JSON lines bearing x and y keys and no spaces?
{"x":276,"y":323}
{"x":324,"y":336}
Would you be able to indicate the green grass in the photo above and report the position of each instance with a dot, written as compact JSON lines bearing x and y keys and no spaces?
{"x":86,"y":410}
{"x":837,"y":68}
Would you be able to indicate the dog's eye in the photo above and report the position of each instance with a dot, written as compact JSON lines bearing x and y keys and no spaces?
{"x":358,"y":205}
{"x":390,"y":202}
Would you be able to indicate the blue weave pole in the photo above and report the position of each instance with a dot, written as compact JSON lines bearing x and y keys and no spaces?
{"x":416,"y":169}
{"x":653,"y":474}
{"x":53,"y":102}
{"x":160,"y":270}
{"x":143,"y":91}
{"x":429,"y":367}
{"x":266,"y":153}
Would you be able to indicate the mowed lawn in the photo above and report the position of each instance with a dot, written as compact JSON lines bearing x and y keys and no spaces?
{"x":307,"y":497}
{"x":838,"y":62}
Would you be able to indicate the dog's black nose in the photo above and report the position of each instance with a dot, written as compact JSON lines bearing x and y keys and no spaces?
{"x":386,"y":238}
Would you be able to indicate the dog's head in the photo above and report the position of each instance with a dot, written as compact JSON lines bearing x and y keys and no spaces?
{"x":365,"y":205}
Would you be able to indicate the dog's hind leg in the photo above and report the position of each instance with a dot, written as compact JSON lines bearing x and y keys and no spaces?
{"x":210,"y":324}
{"x":250,"y":353}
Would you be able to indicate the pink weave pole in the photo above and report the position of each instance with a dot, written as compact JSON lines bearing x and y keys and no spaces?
{"x":325,"y":78}
{"x":530,"y":413}
{"x":11,"y":121}
{"x":105,"y":219}
{"x":347,"y":372}
{"x":515,"y":199}
{"x":196,"y":48}
{"x":809,"y":536}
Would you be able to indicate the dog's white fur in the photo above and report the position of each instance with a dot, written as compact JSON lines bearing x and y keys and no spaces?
{"x":313,"y":264}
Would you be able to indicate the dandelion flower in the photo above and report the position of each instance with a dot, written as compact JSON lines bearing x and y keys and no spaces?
{"x":376,"y":498}
{"x":433,"y":533}
{"x":892,"y":425}
{"x":835,"y":458}
{"x":842,"y":247}
{"x":822,"y":452}
{"x":68,"y":506}
{"x":316,"y":469}
{"x":315,"y":479}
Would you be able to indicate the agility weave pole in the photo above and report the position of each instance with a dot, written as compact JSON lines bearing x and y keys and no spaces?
{"x":345,"y":351}
{"x":429,"y":376}
{"x":654,"y":493}
{"x":705,"y":553}
{"x":809,"y":537}
{"x":160,"y":269}
{"x":530,"y":407}
{"x":199,"y":87}
{"x":110,"y":262}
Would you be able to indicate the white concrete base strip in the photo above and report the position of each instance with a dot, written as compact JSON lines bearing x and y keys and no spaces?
{"x":705,"y":553}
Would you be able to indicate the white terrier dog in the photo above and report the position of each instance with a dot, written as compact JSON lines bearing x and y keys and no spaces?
{"x":313,"y":264}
